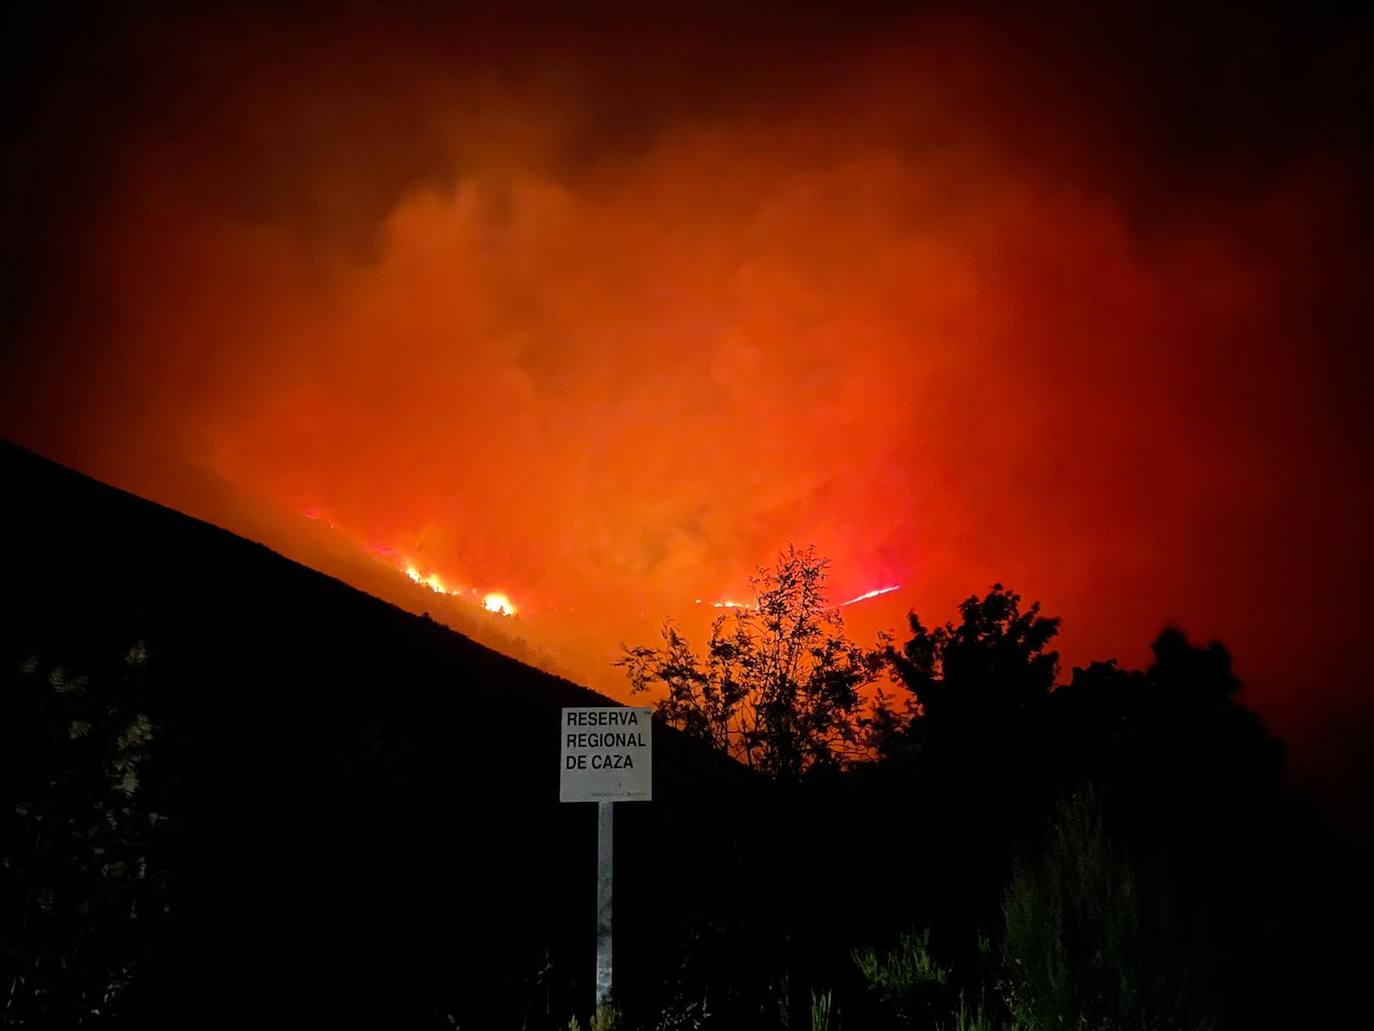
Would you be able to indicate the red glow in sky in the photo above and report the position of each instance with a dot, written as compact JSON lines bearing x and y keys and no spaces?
{"x":595,"y":329}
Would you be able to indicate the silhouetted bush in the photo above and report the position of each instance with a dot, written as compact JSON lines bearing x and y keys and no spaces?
{"x":1093,"y":942}
{"x":86,"y":888}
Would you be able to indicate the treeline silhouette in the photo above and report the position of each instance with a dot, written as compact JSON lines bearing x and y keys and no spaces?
{"x":238,"y":793}
{"x":939,"y":795}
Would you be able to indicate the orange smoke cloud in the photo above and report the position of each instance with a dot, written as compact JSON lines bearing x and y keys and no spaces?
{"x":908,"y":314}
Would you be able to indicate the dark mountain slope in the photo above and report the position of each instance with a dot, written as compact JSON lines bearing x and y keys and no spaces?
{"x":363,"y":804}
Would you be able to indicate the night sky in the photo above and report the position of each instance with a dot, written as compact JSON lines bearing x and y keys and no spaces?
{"x":598,"y":309}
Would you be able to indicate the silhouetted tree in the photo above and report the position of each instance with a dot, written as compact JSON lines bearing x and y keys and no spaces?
{"x":779,"y":684}
{"x":1176,"y":727}
{"x":1189,"y":779}
{"x":982,"y":675}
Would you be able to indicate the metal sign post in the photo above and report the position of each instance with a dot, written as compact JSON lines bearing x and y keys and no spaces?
{"x":605,"y":878}
{"x":607,"y":757}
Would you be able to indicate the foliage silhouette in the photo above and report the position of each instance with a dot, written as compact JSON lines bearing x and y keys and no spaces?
{"x":85,"y":877}
{"x":779,"y":685}
{"x":982,"y":677}
{"x":907,"y":978}
{"x":1091,"y":941}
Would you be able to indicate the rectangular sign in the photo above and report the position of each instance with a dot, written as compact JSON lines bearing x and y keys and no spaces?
{"x":607,"y":755}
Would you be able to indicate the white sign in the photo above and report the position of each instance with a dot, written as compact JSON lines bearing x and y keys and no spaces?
{"x":607,"y":755}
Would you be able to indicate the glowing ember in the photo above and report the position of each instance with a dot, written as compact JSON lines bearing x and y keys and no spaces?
{"x":873,"y":594}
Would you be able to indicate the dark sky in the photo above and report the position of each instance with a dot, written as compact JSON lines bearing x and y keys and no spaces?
{"x":599,"y":306}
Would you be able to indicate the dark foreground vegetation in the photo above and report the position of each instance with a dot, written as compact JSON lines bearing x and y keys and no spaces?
{"x":236,"y":793}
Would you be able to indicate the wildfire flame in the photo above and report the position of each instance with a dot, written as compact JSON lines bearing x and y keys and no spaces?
{"x":727,"y":603}
{"x":493,"y":601}
{"x":872,"y":594}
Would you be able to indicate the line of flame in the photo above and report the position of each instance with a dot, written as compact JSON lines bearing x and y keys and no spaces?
{"x":872,"y":594}
{"x":492,"y":601}
{"x":877,"y":591}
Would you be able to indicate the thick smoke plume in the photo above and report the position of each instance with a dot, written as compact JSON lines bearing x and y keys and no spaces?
{"x":601,"y":315}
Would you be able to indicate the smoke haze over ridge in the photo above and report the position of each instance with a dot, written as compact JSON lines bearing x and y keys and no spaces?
{"x":602,"y":310}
